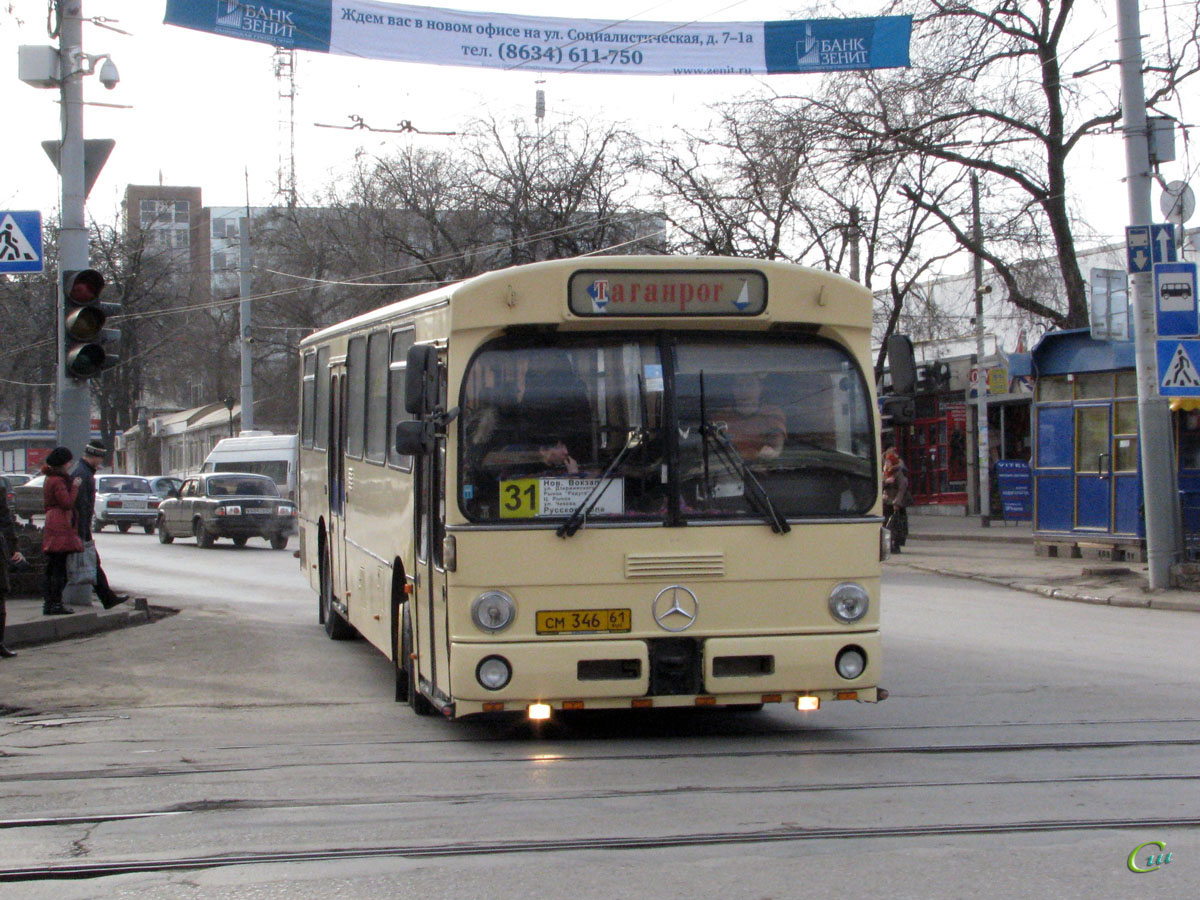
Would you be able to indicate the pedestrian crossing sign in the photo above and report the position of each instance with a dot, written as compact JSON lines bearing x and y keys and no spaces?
{"x":1178,"y":368}
{"x":20,"y":242}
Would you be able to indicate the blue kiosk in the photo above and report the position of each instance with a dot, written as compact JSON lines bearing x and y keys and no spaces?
{"x":1086,"y":463}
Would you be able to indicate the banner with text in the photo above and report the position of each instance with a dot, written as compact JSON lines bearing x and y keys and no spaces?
{"x":542,"y":44}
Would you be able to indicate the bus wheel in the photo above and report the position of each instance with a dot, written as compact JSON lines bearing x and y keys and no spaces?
{"x":418,"y":701}
{"x":336,"y":627}
{"x":401,"y":653}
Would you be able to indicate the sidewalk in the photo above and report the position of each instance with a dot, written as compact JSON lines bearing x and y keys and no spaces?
{"x":1004,"y":554}
{"x":27,"y":625}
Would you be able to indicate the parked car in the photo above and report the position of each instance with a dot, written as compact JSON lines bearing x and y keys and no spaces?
{"x":164,"y":484}
{"x":237,"y":505}
{"x":124,"y":501}
{"x":27,"y":499}
{"x":9,"y":481}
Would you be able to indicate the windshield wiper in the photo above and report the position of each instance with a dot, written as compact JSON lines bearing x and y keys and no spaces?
{"x":578,"y":518}
{"x":756,"y":494}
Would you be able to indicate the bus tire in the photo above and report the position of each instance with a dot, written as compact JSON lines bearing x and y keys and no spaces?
{"x":400,"y":653}
{"x":418,"y":701}
{"x":336,"y":627}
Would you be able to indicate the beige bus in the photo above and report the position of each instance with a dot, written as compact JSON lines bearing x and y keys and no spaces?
{"x":602,"y":483}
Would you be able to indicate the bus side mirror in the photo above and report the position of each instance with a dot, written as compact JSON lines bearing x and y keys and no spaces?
{"x":420,"y":379}
{"x":414,"y":438}
{"x":903,"y":364}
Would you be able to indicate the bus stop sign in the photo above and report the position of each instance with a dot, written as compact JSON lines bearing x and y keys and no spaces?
{"x":1175,"y":306}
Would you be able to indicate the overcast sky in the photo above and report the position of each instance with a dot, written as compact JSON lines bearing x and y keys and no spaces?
{"x":204,"y":108}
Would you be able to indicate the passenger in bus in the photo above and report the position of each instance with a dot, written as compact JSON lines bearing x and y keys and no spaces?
{"x":755,"y":428}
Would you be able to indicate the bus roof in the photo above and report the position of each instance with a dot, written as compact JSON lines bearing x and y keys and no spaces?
{"x":817,"y":296}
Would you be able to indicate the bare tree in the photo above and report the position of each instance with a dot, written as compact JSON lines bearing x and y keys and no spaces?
{"x":1008,"y":91}
{"x":770,"y":181}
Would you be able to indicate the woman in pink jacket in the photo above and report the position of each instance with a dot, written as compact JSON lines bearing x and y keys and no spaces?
{"x":59,"y":535}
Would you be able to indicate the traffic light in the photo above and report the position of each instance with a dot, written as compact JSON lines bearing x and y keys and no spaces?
{"x":90,"y":347}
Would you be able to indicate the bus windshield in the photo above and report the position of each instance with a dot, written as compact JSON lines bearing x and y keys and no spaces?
{"x":670,"y":427}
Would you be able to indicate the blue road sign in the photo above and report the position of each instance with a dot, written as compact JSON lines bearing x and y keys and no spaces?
{"x":1178,"y":372}
{"x":1137,"y":248}
{"x":1175,"y":306}
{"x":1146,"y":245}
{"x":20,"y":241}
{"x":1162,"y":243}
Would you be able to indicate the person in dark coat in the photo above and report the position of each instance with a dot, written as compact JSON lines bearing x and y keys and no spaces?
{"x":896,"y":497}
{"x":8,"y":553}
{"x":59,"y":535}
{"x":85,"y":510}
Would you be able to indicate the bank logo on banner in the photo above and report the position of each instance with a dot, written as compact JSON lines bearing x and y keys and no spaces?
{"x":808,"y":51}
{"x":294,"y":24}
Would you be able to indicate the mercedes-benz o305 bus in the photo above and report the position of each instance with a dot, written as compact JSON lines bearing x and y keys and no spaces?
{"x":598,"y":483}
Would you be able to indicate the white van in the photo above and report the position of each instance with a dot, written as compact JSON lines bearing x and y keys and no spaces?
{"x":262,"y":453}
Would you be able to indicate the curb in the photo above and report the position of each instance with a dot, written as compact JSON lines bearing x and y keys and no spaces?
{"x":1058,"y":593}
{"x":58,"y":628}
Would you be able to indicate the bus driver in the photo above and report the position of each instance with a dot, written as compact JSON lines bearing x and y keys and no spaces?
{"x":756,"y":429}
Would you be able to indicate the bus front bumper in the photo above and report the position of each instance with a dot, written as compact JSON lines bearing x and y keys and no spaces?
{"x":666,"y":672}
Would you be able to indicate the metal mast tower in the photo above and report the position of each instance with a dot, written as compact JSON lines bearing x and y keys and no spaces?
{"x":285,"y":76}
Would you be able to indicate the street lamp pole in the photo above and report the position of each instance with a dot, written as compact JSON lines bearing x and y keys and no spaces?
{"x":74,"y":425}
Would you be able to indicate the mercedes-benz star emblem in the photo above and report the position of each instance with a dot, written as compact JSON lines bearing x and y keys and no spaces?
{"x":675,"y":608}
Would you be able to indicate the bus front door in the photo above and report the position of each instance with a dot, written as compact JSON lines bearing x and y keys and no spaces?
{"x":430,"y":611}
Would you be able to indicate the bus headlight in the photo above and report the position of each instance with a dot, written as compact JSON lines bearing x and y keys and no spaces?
{"x":849,"y":602}
{"x":493,"y":611}
{"x":851,"y":662}
{"x":493,"y":672}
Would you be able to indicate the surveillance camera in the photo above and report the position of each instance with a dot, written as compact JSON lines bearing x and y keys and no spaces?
{"x":109,"y":75}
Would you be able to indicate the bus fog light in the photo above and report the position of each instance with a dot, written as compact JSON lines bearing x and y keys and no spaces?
{"x":849,"y":602}
{"x":539,"y":711}
{"x":851,"y":662}
{"x":493,"y":672}
{"x":493,"y":611}
{"x":808,"y":704}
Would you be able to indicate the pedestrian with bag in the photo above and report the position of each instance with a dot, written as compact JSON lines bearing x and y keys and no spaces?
{"x":87,"y":567}
{"x":60,"y":537}
{"x":8,"y":553}
{"x":896,"y":497}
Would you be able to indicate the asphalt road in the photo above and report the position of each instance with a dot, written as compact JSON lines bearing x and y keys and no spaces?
{"x":232,"y":751}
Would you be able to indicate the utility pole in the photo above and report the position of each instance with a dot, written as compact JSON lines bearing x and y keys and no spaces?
{"x":246,"y":289}
{"x":74,"y":425}
{"x":1159,"y":496}
{"x":984,"y":455}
